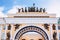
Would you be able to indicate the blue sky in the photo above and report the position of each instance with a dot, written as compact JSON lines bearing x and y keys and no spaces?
{"x":9,"y":4}
{"x":52,"y":6}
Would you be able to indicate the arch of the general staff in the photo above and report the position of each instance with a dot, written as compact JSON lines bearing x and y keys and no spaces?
{"x":27,"y":29}
{"x":34,"y":20}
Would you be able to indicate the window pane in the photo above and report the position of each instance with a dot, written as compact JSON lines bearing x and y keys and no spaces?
{"x":59,"y":27}
{"x":3,"y":36}
{"x":59,"y":36}
{"x":4,"y":27}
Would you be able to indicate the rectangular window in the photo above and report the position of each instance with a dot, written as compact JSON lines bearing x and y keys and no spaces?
{"x":3,"y":36}
{"x":59,"y":36}
{"x":0,"y":28}
{"x":59,"y":27}
{"x":4,"y":28}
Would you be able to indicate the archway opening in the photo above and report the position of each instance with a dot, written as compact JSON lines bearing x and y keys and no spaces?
{"x":31,"y":36}
{"x":27,"y":29}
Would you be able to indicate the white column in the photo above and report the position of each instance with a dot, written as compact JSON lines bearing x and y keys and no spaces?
{"x":12,"y":27}
{"x":57,"y":31}
{"x":0,"y":31}
{"x":51,"y":30}
{"x":6,"y":27}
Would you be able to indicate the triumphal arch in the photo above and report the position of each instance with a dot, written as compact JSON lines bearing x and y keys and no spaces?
{"x":29,"y":23}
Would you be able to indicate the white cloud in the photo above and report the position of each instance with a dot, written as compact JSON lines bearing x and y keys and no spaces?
{"x":54,"y":7}
{"x":1,"y":12}
{"x":14,"y":9}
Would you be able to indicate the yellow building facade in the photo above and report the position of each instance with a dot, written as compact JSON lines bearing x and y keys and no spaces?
{"x":29,"y":25}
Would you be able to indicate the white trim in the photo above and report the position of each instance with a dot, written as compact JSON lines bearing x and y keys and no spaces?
{"x":2,"y":21}
{"x":30,"y":20}
{"x":31,"y":14}
{"x":51,"y":36}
